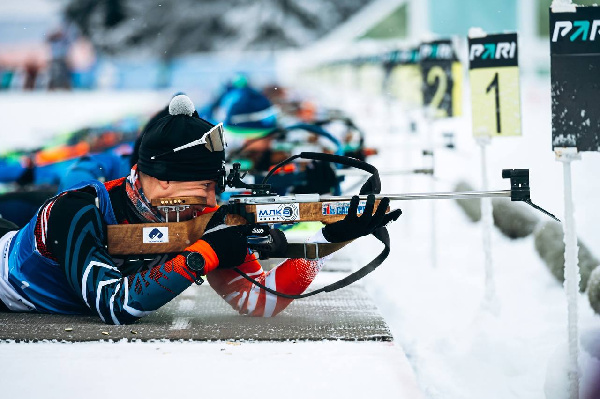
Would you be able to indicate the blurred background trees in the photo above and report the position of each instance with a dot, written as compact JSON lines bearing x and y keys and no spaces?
{"x":171,"y":28}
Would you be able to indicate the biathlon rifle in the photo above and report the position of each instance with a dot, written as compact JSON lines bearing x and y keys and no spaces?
{"x":262,"y":206}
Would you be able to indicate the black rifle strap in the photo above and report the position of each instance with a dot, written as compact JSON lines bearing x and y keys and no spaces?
{"x":371,"y":186}
{"x":312,"y":250}
{"x":339,"y":159}
{"x":381,"y":234}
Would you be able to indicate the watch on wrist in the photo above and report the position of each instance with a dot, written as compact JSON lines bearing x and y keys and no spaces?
{"x":195,"y":261}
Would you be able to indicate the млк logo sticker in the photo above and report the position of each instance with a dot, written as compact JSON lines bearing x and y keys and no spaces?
{"x":277,"y":213}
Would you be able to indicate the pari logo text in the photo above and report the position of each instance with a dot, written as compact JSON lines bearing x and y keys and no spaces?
{"x":155,"y":235}
{"x":577,"y":30}
{"x":438,"y":51}
{"x":277,"y":213}
{"x":493,"y":51}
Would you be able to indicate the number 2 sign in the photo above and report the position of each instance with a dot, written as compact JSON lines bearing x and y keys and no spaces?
{"x":442,"y":84}
{"x":495,"y":91}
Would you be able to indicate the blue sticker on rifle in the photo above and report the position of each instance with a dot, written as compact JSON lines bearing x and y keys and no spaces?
{"x":155,"y":235}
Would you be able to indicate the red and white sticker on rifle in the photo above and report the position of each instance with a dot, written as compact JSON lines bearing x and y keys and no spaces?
{"x":341,"y":208}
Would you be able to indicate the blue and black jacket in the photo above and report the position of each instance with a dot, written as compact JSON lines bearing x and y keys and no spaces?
{"x":58,"y":262}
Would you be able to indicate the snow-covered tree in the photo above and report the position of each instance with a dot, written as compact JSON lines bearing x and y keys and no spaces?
{"x":168,"y":28}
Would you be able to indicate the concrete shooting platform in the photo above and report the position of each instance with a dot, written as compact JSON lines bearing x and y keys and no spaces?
{"x":199,"y":314}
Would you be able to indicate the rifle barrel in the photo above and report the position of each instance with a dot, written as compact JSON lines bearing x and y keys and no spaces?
{"x":303,"y":198}
{"x":421,"y":196}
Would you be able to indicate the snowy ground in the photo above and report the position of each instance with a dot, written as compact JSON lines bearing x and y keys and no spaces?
{"x":457,"y":346}
{"x":205,"y":369}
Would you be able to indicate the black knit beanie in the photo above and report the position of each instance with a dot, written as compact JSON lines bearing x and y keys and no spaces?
{"x":202,"y":158}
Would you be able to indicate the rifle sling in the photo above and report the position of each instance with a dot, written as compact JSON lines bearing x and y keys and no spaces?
{"x":312,"y":251}
{"x":381,"y":234}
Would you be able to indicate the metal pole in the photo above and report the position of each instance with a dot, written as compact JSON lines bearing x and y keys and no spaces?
{"x":572,"y":276}
{"x":429,"y":117}
{"x":434,"y":260}
{"x":490,"y":299}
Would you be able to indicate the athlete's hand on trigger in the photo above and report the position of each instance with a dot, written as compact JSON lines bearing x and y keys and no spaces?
{"x":354,"y":226}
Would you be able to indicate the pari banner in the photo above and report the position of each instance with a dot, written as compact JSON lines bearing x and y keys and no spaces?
{"x":575,"y":77}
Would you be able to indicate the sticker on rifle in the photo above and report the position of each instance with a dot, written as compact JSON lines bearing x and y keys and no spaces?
{"x":156,"y":235}
{"x":341,"y":208}
{"x":277,"y":213}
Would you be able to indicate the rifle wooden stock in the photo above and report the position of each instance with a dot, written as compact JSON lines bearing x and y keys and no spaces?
{"x":128,"y":239}
{"x":135,"y":239}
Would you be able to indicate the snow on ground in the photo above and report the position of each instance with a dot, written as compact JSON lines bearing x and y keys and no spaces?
{"x":205,"y":369}
{"x":457,"y":346}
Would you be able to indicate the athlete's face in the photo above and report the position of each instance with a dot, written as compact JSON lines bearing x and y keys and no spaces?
{"x":205,"y":189}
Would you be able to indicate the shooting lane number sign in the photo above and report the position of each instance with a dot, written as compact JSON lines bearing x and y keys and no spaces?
{"x":441,"y":74}
{"x":495,"y":90}
{"x":575,"y":75}
{"x":404,"y":81}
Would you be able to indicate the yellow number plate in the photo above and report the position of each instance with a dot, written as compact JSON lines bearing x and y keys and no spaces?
{"x":457,"y":87}
{"x":495,"y":95}
{"x":405,"y":85}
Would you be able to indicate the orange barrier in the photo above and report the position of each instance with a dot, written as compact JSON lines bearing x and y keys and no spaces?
{"x":61,"y":153}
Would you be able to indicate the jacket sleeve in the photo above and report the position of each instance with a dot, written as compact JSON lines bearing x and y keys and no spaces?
{"x":75,"y":237}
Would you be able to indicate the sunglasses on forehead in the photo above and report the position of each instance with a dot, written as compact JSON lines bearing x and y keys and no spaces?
{"x":213,"y":140}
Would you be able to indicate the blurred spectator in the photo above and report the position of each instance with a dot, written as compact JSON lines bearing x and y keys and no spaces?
{"x":60,"y":42}
{"x":23,"y":66}
{"x":6,"y":75}
{"x":32,"y":70}
{"x":28,"y":176}
{"x":165,"y":71}
{"x":82,"y":60}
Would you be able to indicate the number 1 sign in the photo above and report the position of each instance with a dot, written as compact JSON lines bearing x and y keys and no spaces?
{"x":495,"y":92}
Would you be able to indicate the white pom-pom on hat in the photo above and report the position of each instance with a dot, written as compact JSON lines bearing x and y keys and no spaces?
{"x":181,"y":105}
